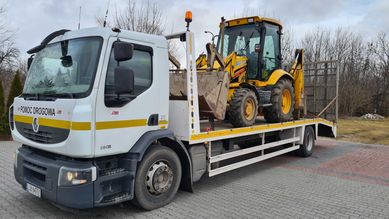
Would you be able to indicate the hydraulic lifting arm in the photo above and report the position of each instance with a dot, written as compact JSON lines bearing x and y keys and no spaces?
{"x":297,"y":71}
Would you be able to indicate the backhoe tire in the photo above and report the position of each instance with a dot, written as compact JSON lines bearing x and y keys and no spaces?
{"x":243,"y":108}
{"x":282,"y":100}
{"x":157,"y":178}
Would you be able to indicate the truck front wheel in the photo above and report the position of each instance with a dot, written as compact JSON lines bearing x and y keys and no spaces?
{"x":158,"y":178}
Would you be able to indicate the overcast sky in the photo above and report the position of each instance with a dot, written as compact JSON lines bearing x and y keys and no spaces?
{"x":33,"y":20}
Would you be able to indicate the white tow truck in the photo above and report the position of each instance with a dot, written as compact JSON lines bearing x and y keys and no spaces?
{"x":97,"y":126}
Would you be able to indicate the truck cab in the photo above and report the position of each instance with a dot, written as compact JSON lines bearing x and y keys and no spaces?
{"x":62,"y":109}
{"x":70,"y":113}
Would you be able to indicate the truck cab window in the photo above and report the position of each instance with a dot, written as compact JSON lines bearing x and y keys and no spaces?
{"x":141,"y":65}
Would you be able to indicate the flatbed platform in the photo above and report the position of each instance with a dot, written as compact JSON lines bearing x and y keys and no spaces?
{"x":224,"y":130}
{"x":248,"y":145}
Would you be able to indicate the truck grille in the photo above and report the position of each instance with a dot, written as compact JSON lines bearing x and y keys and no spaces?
{"x":45,"y":135}
{"x":40,"y":136}
{"x":35,"y":165}
{"x":34,"y":173}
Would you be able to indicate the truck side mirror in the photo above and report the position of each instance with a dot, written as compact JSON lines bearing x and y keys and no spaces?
{"x":124,"y":80}
{"x":257,"y":48}
{"x":29,"y":61}
{"x":123,"y":51}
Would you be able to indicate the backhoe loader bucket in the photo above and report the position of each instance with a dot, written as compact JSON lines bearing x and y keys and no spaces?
{"x":212,"y":91}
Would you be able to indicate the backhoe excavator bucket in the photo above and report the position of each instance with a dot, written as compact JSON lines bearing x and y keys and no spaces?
{"x":212,"y":91}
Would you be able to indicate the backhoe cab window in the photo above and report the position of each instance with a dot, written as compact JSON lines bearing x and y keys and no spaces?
{"x":242,"y":40}
{"x":141,"y":65}
{"x":239,"y":39}
{"x":271,"y":51}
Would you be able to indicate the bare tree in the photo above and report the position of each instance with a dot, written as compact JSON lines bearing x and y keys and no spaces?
{"x":249,"y":11}
{"x":359,"y":81}
{"x":354,"y":91}
{"x":145,"y":17}
{"x":317,"y":45}
{"x":8,"y":51}
{"x":21,"y":67}
{"x":287,"y":47}
{"x":139,"y":16}
{"x":380,"y":49}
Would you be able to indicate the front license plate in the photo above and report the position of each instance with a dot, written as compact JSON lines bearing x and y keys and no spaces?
{"x":34,"y":190}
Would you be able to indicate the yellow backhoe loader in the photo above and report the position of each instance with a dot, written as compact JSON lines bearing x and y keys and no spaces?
{"x":241,"y":76}
{"x":249,"y":49}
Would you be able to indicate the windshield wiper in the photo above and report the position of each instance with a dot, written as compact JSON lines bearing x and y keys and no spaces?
{"x":28,"y":96}
{"x":45,"y":96}
{"x":49,"y":96}
{"x":71,"y":95}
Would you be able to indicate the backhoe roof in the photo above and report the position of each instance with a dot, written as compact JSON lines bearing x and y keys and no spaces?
{"x":255,"y":19}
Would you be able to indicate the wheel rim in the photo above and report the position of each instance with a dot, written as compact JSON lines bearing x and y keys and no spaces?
{"x":249,"y":109}
{"x":159,"y":178}
{"x":309,"y":142}
{"x":286,"y":101}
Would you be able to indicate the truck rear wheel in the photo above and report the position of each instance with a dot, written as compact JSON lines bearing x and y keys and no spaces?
{"x":158,"y":178}
{"x":306,"y":148}
{"x":282,"y":100}
{"x":243,"y":108}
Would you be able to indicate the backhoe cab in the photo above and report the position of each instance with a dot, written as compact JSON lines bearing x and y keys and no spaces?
{"x":249,"y":49}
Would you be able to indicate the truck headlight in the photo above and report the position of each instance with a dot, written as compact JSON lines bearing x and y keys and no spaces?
{"x":73,"y":176}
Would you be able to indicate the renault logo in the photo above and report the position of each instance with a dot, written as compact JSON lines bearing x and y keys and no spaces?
{"x":35,"y":125}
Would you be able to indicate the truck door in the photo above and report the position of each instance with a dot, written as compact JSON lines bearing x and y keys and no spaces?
{"x":121,"y":122}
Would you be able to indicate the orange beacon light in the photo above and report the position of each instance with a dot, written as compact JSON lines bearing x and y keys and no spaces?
{"x":188,"y":18}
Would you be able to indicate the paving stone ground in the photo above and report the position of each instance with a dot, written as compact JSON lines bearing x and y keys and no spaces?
{"x":340,"y":180}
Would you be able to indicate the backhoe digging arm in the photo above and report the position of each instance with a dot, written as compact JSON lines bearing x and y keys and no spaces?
{"x":297,"y":71}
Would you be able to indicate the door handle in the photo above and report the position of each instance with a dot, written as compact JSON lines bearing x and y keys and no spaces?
{"x":153,"y":120}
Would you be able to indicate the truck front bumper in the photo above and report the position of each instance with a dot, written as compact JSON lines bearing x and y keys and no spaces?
{"x":114,"y":181}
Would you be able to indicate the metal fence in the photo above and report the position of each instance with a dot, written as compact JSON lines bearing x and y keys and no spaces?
{"x":321,"y":89}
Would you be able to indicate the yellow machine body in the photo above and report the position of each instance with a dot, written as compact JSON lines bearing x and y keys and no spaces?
{"x":247,"y":69}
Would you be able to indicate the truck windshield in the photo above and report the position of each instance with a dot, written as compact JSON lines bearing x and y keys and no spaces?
{"x":64,"y":69}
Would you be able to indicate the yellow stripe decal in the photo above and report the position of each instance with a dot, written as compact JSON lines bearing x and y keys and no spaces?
{"x":55,"y":123}
{"x":163,"y":122}
{"x":234,"y":131}
{"x":326,"y":122}
{"x":23,"y":119}
{"x":120,"y":124}
{"x":81,"y":126}
{"x":62,"y":124}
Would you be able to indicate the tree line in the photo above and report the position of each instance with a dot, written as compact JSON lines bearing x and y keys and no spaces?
{"x":12,"y":73}
{"x":363,"y":66}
